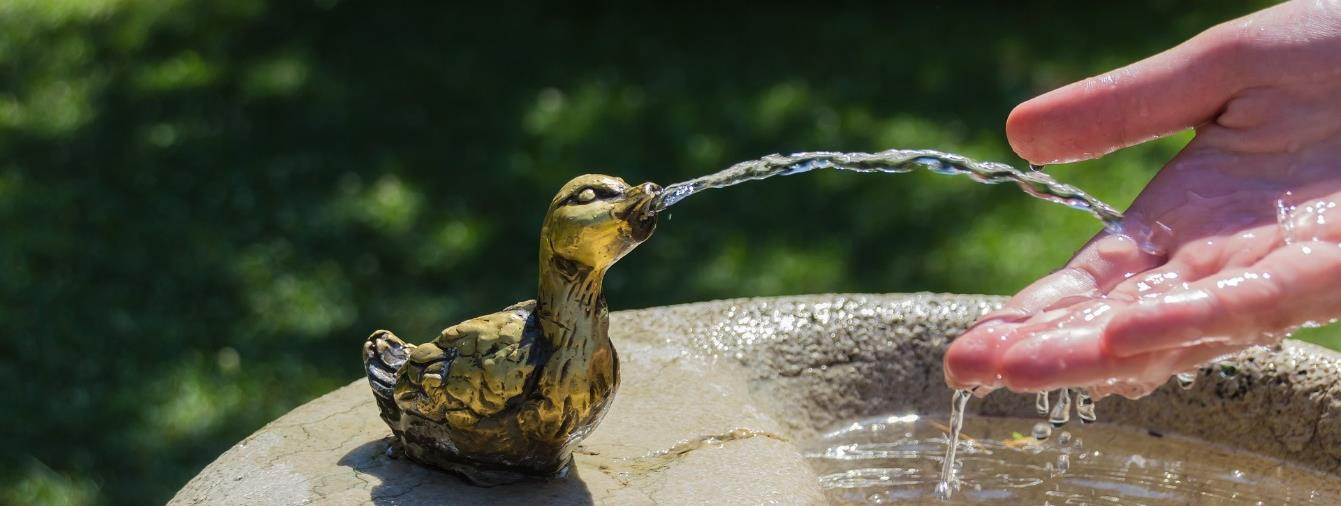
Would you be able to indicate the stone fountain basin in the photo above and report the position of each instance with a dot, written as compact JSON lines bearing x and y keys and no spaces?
{"x":716,"y":395}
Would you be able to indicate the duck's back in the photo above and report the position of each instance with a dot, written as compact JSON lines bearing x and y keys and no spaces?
{"x":472,"y":370}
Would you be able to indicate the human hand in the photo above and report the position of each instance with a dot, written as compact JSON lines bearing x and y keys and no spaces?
{"x":1245,"y":220}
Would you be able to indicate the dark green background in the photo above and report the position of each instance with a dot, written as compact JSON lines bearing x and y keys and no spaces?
{"x":207,"y":205}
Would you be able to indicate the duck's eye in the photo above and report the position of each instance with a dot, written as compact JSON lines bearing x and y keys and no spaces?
{"x":606,"y":192}
{"x":585,"y":196}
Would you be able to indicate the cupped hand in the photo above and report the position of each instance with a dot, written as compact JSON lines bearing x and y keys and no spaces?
{"x":1242,"y":230}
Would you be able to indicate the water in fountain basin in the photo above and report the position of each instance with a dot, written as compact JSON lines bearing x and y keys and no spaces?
{"x":899,"y":459}
{"x":1034,"y":182}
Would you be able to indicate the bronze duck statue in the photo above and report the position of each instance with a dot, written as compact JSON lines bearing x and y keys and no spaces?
{"x":509,"y":395}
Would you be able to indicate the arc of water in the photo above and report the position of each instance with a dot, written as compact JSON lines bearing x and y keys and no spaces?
{"x":1036,"y":183}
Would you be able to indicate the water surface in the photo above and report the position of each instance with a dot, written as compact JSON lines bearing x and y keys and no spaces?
{"x":898,"y":459}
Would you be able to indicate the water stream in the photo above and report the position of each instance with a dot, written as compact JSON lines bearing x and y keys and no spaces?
{"x":1034,"y":182}
{"x":948,"y":482}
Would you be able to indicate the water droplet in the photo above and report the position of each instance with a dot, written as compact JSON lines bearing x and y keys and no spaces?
{"x":1151,"y":238}
{"x":1185,"y":379}
{"x":1061,"y":412}
{"x":1041,"y":403}
{"x":1063,"y":463}
{"x":1084,"y":406}
{"x":1284,"y":212}
{"x":1064,"y":439}
{"x":1042,"y":431}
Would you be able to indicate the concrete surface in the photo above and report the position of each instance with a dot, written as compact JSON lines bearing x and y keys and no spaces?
{"x":715,"y":393}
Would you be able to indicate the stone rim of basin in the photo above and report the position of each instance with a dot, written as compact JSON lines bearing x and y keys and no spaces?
{"x":716,"y":394}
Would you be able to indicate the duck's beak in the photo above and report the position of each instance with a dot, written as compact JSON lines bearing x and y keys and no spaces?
{"x":639,"y":213}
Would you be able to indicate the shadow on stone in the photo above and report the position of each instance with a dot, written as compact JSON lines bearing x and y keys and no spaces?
{"x":405,"y":482}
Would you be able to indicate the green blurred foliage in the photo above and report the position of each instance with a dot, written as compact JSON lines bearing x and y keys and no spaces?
{"x":208,"y":204}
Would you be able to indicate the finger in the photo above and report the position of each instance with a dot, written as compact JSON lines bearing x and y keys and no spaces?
{"x":1291,"y":285}
{"x":1171,"y":91}
{"x":979,"y":360}
{"x":1112,"y":259}
{"x":1290,"y":43}
{"x":972,"y":359}
{"x":1136,"y":390}
{"x":1075,"y":357}
{"x":1095,"y":270}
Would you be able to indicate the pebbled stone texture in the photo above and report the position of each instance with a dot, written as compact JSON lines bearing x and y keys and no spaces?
{"x":715,"y":393}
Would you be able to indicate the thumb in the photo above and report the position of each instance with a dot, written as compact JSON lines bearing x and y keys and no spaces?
{"x":1171,"y":91}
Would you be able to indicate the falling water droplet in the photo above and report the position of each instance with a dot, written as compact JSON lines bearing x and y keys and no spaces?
{"x":1061,"y":412}
{"x":1042,"y":431}
{"x":949,"y":482}
{"x":1084,"y":407}
{"x":1284,"y":215}
{"x":1185,"y":379}
{"x":1064,"y":439}
{"x":1041,"y":403}
{"x":1063,"y":463}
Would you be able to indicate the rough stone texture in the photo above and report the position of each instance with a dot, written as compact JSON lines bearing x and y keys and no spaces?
{"x":820,"y":360}
{"x":757,"y":374}
{"x":1283,"y":402}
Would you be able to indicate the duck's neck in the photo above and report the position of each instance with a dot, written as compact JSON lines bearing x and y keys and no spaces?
{"x":581,"y":372}
{"x":571,"y":306}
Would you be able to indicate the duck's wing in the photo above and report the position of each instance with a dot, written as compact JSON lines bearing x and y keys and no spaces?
{"x":473,"y":369}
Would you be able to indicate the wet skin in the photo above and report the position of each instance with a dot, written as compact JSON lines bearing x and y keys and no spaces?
{"x":1246,"y":221}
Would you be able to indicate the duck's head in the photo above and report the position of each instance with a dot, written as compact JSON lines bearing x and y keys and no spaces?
{"x":596,"y":219}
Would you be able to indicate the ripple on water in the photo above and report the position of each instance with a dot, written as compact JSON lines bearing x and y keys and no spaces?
{"x":899,"y":459}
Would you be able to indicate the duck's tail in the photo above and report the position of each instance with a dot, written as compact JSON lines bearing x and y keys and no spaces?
{"x":383,"y":355}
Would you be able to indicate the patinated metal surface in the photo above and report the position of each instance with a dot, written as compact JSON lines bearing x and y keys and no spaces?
{"x":510,"y":394}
